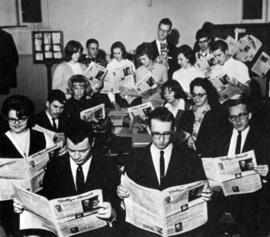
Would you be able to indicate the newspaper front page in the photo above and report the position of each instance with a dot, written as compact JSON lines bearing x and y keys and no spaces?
{"x":63,"y":216}
{"x":173,"y":211}
{"x":24,"y":172}
{"x":235,"y":175}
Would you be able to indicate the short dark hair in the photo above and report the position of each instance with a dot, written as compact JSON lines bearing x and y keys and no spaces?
{"x":121,"y":46}
{"x":175,"y":87}
{"x":78,"y":78}
{"x":211,"y":92}
{"x":241,"y":99}
{"x":71,"y":48}
{"x":21,"y":104}
{"x":78,"y":131}
{"x":145,"y":49}
{"x":165,"y":21}
{"x":91,"y":41}
{"x":161,"y":114}
{"x":188,"y":53}
{"x":202,"y":33}
{"x":219,"y":44}
{"x":56,"y":95}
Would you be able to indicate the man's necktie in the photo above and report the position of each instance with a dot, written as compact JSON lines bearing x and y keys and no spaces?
{"x":162,"y":167}
{"x":80,"y":179}
{"x":238,"y":143}
{"x":54,"y":124}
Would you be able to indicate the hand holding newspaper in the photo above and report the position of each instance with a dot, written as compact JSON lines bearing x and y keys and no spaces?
{"x":235,"y":175}
{"x":172,"y":211}
{"x":65,"y":216}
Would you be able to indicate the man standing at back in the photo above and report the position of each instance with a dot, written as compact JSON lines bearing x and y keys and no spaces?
{"x":164,"y":51}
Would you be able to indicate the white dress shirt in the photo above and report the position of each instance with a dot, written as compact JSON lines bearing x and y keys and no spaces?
{"x":233,"y":141}
{"x":155,"y":154}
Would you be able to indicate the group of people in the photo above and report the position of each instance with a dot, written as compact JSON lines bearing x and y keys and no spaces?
{"x":187,"y":124}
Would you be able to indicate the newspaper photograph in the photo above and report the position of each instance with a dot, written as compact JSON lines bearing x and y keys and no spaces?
{"x":26,"y":173}
{"x":94,"y":113}
{"x":95,"y":71}
{"x":146,"y":84}
{"x":172,"y":211}
{"x":262,"y":65}
{"x":206,"y":65}
{"x":235,"y":175}
{"x":225,"y":89}
{"x":65,"y":216}
{"x":141,"y":111}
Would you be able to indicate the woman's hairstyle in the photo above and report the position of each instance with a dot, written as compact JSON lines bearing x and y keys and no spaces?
{"x":211,"y":92}
{"x":121,"y":46}
{"x":23,"y":106}
{"x":71,"y":48}
{"x":188,"y":53}
{"x":174,"y":86}
{"x":78,"y":78}
{"x":145,"y":49}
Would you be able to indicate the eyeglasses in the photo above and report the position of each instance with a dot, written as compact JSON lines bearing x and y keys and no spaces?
{"x":199,"y":95}
{"x":157,"y":135}
{"x":238,"y":117}
{"x":21,"y":120}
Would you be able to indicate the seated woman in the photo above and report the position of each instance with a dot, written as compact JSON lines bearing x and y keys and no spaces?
{"x":69,"y":67}
{"x":204,"y":117}
{"x":188,"y":72}
{"x":79,"y":88}
{"x":19,"y":141}
{"x":145,"y":54}
{"x":174,"y":97}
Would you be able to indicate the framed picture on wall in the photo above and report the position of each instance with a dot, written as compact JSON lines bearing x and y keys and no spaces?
{"x":47,"y":46}
{"x":254,"y":11}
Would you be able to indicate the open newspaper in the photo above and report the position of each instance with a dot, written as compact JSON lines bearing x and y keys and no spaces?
{"x":225,"y":89}
{"x":262,"y":65}
{"x":142,"y":110}
{"x":65,"y":216}
{"x":172,"y":211}
{"x":145,"y":84}
{"x":235,"y":175}
{"x":206,"y":65}
{"x":120,"y":78}
{"x":94,"y":113}
{"x":95,"y":71}
{"x":26,"y":172}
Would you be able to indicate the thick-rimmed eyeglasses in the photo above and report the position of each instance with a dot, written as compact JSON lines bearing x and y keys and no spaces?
{"x":238,"y":117}
{"x":157,"y":135}
{"x":13,"y":120}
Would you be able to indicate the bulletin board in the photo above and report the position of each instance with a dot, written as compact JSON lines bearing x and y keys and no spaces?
{"x":47,"y":47}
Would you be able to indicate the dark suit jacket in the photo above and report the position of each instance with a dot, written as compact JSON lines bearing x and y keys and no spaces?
{"x":42,"y":120}
{"x":184,"y":167}
{"x":58,"y":182}
{"x":8,"y":150}
{"x":173,"y":64}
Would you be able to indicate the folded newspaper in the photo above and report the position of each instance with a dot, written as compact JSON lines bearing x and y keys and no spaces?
{"x":65,"y":216}
{"x":172,"y":211}
{"x":93,"y":113}
{"x":26,"y":172}
{"x":235,"y":175}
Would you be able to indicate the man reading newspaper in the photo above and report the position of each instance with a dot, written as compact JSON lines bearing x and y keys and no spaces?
{"x":241,"y":136}
{"x":162,"y":164}
{"x":82,"y":169}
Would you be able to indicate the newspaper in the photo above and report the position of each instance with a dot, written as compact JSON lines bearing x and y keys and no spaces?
{"x":206,"y":65}
{"x":249,"y":45}
{"x":120,"y":78}
{"x":172,"y":211}
{"x":94,"y":113}
{"x":142,"y":110}
{"x":65,"y":216}
{"x":225,"y":89}
{"x":95,"y":71}
{"x":235,"y":174}
{"x":27,"y":172}
{"x":145,"y":84}
{"x":262,"y":65}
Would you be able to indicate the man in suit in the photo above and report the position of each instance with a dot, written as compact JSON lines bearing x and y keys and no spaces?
{"x":163,"y":164}
{"x":241,"y":136}
{"x":164,"y":51}
{"x":81,"y":170}
{"x":51,"y":118}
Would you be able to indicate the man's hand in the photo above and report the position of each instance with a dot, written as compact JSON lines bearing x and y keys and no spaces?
{"x":105,"y":212}
{"x":262,"y":170}
{"x":207,"y":193}
{"x":17,"y":206}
